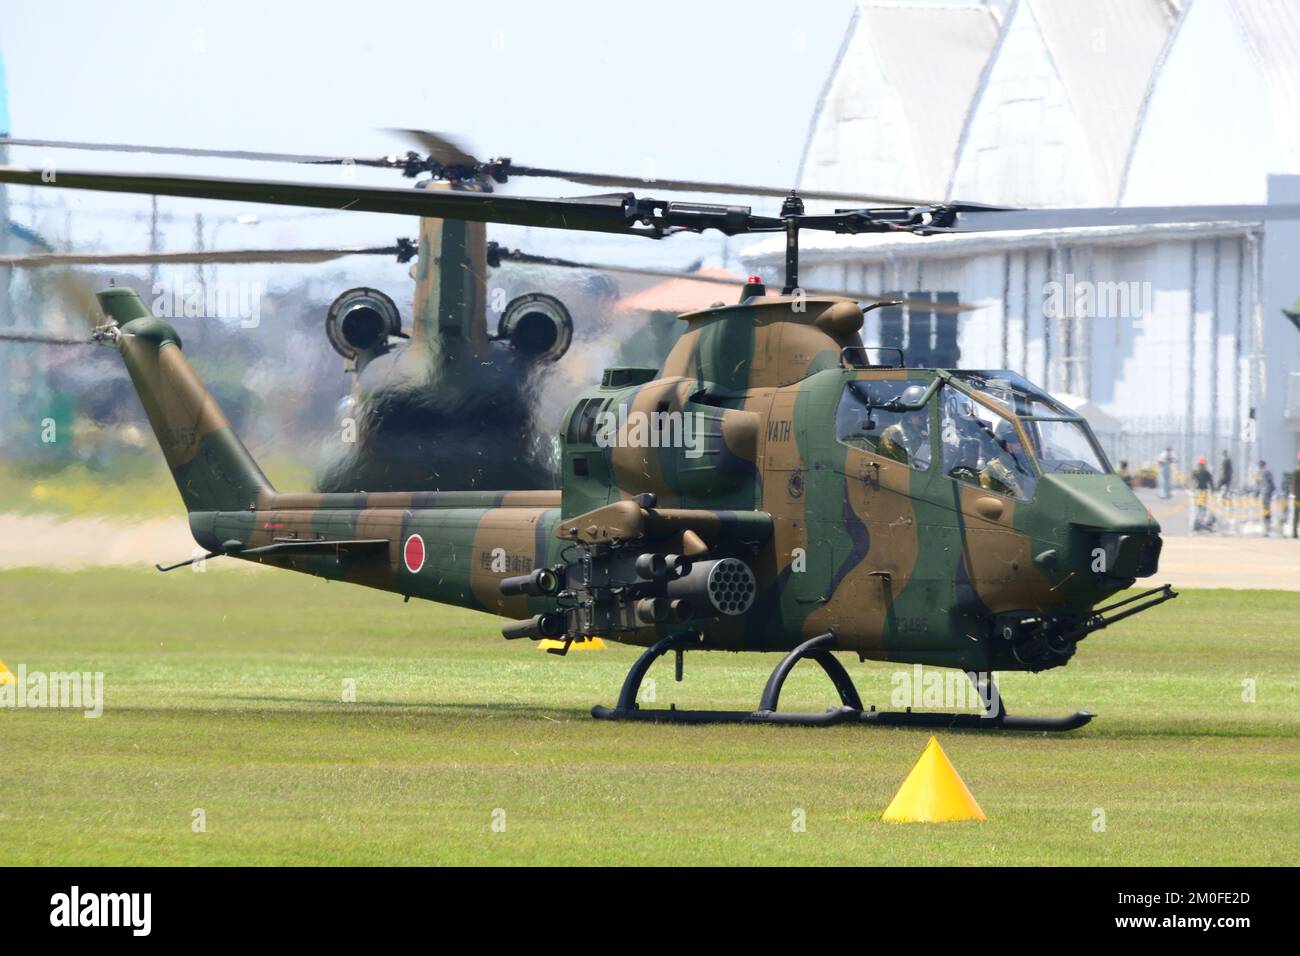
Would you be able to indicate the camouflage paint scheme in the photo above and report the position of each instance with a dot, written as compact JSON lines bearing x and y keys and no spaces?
{"x":900,"y":564}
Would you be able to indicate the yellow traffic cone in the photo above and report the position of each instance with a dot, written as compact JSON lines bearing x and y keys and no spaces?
{"x":933,"y":792}
{"x":6,"y":675}
{"x":590,"y":644}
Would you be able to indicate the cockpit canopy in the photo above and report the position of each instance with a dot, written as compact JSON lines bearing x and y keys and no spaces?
{"x":1059,"y":438}
{"x":994,"y":429}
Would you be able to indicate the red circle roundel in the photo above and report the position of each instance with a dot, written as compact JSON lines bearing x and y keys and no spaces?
{"x":413,"y":553}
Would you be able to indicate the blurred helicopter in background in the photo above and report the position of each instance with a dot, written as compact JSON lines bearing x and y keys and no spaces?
{"x":446,"y":402}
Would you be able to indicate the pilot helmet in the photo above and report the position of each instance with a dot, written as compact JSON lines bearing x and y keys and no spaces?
{"x":1005,"y":432}
{"x":912,"y":394}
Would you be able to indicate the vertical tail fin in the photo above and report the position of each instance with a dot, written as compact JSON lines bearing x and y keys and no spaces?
{"x":212,"y":468}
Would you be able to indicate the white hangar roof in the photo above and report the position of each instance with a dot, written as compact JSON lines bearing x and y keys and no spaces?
{"x":1057,"y":107}
{"x":891,"y":113}
{"x":1223,"y":111}
{"x":1070,"y":102}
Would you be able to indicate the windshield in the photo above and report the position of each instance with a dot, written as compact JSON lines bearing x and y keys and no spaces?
{"x":1059,"y":438}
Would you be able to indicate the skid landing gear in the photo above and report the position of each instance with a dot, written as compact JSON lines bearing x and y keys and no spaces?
{"x":850,"y":711}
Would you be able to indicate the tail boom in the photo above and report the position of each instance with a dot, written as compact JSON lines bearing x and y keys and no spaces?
{"x":212,"y":468}
{"x":451,"y":555}
{"x":450,"y":547}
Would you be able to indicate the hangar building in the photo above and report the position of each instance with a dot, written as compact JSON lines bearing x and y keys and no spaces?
{"x":1165,"y":334}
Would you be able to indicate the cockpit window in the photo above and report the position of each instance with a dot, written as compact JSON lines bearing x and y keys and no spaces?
{"x":863,"y":420}
{"x":1065,"y":446}
{"x":1060,"y":439}
{"x":1007,"y":388}
{"x":982,"y":447}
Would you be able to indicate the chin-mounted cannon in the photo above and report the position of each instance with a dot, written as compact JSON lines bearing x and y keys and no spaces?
{"x":631,"y":566}
{"x":1036,"y":641}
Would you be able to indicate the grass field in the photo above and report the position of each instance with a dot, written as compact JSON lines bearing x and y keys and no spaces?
{"x":224,"y":692}
{"x":134,"y":485}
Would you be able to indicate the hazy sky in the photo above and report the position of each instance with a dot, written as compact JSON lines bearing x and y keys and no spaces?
{"x":700,"y":90}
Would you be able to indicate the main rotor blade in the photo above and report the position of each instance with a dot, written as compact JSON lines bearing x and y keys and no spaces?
{"x":627,"y":214}
{"x":450,"y":151}
{"x":525,"y":258}
{"x":197,"y":257}
{"x":185,"y":151}
{"x":989,"y":220}
{"x":701,"y":186}
{"x":615,"y":213}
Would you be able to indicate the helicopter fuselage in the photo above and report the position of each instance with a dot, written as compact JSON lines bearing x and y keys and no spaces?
{"x":902,"y":564}
{"x":895,"y":508}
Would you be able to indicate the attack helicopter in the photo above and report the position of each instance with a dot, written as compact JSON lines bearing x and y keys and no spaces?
{"x":775,"y":487}
{"x":445,"y":402}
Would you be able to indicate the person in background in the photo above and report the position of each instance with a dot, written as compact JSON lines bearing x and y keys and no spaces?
{"x":1295,"y":499}
{"x":1203,"y":482}
{"x":1284,"y":493}
{"x":1225,"y":476}
{"x":1166,"y":465}
{"x":1125,"y":475}
{"x":1266,"y":489}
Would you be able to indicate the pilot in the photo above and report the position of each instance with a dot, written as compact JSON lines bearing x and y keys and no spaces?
{"x":999,"y":472}
{"x":908,"y":439}
{"x":961,"y":440}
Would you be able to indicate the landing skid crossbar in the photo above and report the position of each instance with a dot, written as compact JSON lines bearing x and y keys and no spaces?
{"x":850,"y":711}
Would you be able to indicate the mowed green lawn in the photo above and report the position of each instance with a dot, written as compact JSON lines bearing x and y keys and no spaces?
{"x":224,"y":693}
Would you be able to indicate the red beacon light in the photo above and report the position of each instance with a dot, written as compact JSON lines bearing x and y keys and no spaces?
{"x":753,"y":288}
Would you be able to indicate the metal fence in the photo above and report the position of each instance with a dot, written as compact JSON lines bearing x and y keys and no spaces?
{"x":1143,"y":440}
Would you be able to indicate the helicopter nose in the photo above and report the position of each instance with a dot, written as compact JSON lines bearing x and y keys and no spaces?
{"x":1101,"y":502}
{"x":1115,"y":535}
{"x":1129,"y":555}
